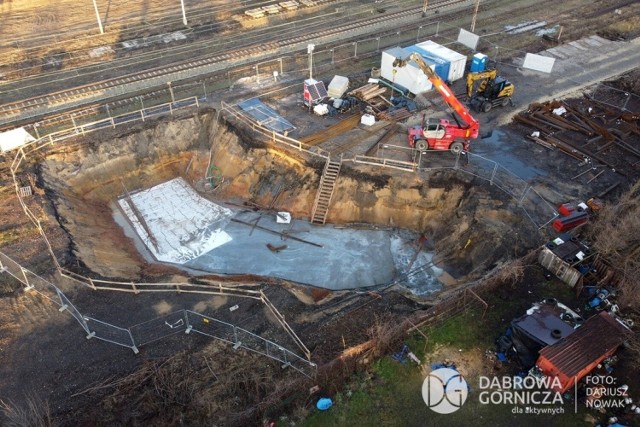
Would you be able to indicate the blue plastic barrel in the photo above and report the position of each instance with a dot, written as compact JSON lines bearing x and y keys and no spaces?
{"x":324,"y":404}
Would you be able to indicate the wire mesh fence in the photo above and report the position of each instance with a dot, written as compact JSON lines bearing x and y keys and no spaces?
{"x":65,"y":304}
{"x":110,"y":333}
{"x":30,"y":280}
{"x":211,"y":327}
{"x":182,"y":321}
{"x":616,"y":98}
{"x":241,"y":338}
{"x":158,"y":328}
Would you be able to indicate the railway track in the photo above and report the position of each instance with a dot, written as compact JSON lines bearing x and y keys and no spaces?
{"x":154,"y":79}
{"x":157,"y":77}
{"x":31,"y":109}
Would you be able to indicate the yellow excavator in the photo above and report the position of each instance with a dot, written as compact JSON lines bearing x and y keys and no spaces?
{"x":493,"y":91}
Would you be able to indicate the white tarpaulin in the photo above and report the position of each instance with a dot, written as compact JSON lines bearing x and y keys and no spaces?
{"x":538,"y":62}
{"x":175,"y":223}
{"x":14,"y":138}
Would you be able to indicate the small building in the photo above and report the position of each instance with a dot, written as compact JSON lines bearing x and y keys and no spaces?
{"x":560,"y":255}
{"x":457,"y":61}
{"x":578,"y":354}
{"x":409,"y":77}
{"x":543,"y":324}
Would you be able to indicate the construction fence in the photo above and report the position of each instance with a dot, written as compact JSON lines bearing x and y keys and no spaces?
{"x":243,"y":79}
{"x":191,"y":95}
{"x":527,"y":196}
{"x":259,"y":75}
{"x":182,"y":321}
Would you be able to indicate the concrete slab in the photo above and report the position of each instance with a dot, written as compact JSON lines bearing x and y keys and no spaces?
{"x":597,"y":41}
{"x":578,"y":45}
{"x":201,"y":236}
{"x":348,"y":258}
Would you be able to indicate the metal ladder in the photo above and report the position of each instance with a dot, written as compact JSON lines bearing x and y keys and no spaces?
{"x":325,"y":191}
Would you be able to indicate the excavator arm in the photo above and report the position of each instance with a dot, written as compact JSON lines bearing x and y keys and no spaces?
{"x":473,"y":127}
{"x":472,"y":77}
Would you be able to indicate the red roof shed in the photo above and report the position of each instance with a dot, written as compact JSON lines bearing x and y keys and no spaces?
{"x":578,"y":354}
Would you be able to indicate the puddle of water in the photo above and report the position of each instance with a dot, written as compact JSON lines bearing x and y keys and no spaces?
{"x":416,"y":272}
{"x":348,"y":258}
{"x":500,"y":147}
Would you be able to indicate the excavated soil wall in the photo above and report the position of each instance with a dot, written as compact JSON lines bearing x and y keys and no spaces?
{"x":469,"y":224}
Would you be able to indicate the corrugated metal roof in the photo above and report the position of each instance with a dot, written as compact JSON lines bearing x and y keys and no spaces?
{"x":588,"y":343}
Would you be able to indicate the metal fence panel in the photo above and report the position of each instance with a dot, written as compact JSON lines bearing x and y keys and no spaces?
{"x":509,"y":183}
{"x":242,"y":338}
{"x":478,"y":166}
{"x":66,"y":304}
{"x":211,"y":327}
{"x":276,"y":352}
{"x":251,"y":341}
{"x":108,"y":332}
{"x":161,"y":327}
{"x":29,"y":279}
{"x":539,"y":211}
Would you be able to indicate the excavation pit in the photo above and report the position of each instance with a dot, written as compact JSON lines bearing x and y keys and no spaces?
{"x":177,"y":226}
{"x":463,"y":219}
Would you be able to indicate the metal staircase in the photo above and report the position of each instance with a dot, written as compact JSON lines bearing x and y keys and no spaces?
{"x":325,"y":191}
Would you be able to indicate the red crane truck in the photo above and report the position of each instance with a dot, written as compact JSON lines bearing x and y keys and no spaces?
{"x":441,"y":134}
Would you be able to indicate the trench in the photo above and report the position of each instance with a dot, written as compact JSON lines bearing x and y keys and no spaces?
{"x":427,"y":233}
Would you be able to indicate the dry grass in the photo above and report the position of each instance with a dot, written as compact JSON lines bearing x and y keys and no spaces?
{"x":32,"y":411}
{"x":233,"y":388}
{"x":616,"y":236}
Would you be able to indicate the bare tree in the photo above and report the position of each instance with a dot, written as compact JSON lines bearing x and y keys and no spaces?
{"x":616,"y":236}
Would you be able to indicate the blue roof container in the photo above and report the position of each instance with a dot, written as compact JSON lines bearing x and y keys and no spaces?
{"x":439,"y":65}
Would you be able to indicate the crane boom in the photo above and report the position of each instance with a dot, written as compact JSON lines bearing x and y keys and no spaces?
{"x":473,"y":126}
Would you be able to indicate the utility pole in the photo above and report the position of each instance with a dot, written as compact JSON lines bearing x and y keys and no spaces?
{"x":475,"y":14}
{"x":184,"y":15}
{"x":95,"y":6}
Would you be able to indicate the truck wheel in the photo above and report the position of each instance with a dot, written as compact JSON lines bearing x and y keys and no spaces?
{"x":456,"y":147}
{"x":422,"y":145}
{"x":505,"y":101}
{"x":486,"y":107}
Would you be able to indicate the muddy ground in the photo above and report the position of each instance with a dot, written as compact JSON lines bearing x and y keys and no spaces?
{"x":43,"y":352}
{"x":82,"y":179}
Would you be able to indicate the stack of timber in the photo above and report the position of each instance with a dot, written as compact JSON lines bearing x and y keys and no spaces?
{"x":394,"y":115}
{"x":367,"y":92}
{"x":339,"y":128}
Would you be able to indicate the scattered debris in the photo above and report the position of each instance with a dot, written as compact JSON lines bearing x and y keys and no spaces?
{"x":587,"y":131}
{"x":283,"y":218}
{"x":368,"y":120}
{"x":275,"y":232}
{"x":401,"y":356}
{"x":276,"y":249}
